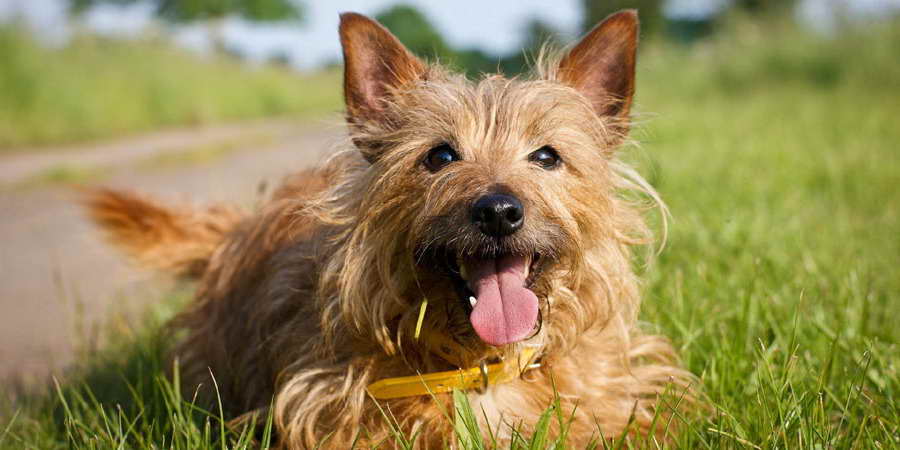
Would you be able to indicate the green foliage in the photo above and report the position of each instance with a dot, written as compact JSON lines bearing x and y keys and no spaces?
{"x":194,"y":10}
{"x":650,"y":11}
{"x":776,"y":153}
{"x":766,"y":6}
{"x":537,"y":34}
{"x":211,"y":12}
{"x":416,"y":32}
{"x":96,"y":88}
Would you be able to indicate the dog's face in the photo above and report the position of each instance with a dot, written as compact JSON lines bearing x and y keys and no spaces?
{"x":493,"y":191}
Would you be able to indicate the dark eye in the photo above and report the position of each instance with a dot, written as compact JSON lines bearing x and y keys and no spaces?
{"x":546,"y":157}
{"x":439,"y":157}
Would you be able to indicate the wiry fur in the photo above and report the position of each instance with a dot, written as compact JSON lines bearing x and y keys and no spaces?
{"x":304,"y":303}
{"x":177,"y":239}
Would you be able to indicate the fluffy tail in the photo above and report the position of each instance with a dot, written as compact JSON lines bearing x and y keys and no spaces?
{"x":177,"y":239}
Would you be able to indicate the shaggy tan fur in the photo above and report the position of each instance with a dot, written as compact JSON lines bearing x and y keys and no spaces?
{"x":304,"y":303}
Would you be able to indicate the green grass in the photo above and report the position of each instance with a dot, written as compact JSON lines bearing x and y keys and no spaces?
{"x":95,"y":88}
{"x":777,"y":155}
{"x":780,"y":278}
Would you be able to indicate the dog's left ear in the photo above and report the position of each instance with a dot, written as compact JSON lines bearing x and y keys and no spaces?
{"x":376,"y":64}
{"x":601,"y":67}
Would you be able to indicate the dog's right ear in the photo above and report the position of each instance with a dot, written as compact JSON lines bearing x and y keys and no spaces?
{"x":601,"y":67}
{"x":376,"y":65}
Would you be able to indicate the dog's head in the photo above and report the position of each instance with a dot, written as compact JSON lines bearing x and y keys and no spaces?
{"x":492,"y":198}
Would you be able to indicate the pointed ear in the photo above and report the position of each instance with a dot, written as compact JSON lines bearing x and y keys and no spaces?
{"x":375,"y":64}
{"x":601,"y":66}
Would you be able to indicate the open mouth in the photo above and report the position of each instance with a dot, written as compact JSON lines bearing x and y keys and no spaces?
{"x":496,"y":293}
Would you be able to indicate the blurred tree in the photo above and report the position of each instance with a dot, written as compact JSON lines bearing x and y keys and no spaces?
{"x":476,"y":61}
{"x":419,"y":35}
{"x":280,"y":58}
{"x":537,"y":34}
{"x":416,"y":32}
{"x":199,"y":10}
{"x":691,"y":29}
{"x":650,"y":11}
{"x":766,"y":6}
{"x":422,"y":38}
{"x":213,"y":12}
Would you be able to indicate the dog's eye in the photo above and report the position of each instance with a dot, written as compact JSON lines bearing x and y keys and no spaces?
{"x":546,"y":157}
{"x":440,"y":156}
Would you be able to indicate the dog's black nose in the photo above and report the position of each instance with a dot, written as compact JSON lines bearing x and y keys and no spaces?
{"x":498,"y":215}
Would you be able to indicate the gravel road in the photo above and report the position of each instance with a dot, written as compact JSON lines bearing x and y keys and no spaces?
{"x":59,"y":282}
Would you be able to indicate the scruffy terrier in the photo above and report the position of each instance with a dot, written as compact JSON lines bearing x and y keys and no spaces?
{"x":471,"y":235}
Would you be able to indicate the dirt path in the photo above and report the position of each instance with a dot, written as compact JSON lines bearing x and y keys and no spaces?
{"x":57,"y":278}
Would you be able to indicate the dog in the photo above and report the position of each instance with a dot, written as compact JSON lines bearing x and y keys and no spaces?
{"x":473,"y":236}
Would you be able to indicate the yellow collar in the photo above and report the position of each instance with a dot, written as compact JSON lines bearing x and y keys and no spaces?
{"x":461,"y":379}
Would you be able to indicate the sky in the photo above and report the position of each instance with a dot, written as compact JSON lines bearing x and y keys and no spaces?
{"x":493,"y":25}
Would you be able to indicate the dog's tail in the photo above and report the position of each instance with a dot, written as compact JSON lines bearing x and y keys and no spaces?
{"x":177,"y":239}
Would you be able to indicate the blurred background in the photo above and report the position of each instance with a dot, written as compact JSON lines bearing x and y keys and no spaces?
{"x":209,"y":99}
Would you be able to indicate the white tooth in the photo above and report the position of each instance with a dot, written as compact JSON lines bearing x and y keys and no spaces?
{"x":472,"y":300}
{"x":527,"y":266}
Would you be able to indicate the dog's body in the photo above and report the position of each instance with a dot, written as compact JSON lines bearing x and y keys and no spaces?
{"x":505,"y":194}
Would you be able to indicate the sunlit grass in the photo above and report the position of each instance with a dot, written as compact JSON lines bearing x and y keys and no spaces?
{"x":777,"y":155}
{"x":96,"y":87}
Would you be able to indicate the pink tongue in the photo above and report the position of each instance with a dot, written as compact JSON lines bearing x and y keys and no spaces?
{"x":506,"y":311}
